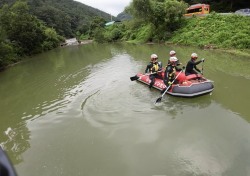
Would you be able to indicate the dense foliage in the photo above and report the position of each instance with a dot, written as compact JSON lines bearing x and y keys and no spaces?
{"x":153,"y":20}
{"x":162,"y":20}
{"x":224,"y":31}
{"x":32,"y":26}
{"x":23,"y":34}
{"x":123,"y":16}
{"x":164,"y":14}
{"x":65,"y":16}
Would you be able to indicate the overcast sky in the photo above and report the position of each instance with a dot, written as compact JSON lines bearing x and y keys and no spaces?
{"x":113,"y":7}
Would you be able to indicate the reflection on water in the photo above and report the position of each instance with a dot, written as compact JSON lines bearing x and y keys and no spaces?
{"x":74,"y":111}
{"x":15,"y":141}
{"x":174,"y":106}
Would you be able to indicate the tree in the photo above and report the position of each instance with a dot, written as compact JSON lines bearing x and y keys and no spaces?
{"x":65,"y":16}
{"x":97,"y":23}
{"x":55,"y":18}
{"x":7,"y":52}
{"x":140,"y":9}
{"x":52,"y":39}
{"x":162,"y":13}
{"x":24,"y":33}
{"x":23,"y":30}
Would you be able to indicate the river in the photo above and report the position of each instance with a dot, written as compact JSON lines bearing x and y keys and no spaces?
{"x":74,"y":111}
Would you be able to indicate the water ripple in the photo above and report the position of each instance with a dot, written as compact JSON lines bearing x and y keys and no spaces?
{"x":110,"y":98}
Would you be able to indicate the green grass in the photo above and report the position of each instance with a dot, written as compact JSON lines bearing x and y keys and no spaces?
{"x":219,"y":31}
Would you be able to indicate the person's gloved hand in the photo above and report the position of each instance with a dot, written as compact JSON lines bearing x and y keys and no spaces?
{"x":203,"y":60}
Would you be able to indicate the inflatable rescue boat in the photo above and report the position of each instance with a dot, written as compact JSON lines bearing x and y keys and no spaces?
{"x":185,"y":86}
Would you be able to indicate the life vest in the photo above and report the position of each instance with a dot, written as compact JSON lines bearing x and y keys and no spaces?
{"x":171,"y":73}
{"x":155,"y":67}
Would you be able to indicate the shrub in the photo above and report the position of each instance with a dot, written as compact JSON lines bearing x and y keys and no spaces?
{"x":7,"y":55}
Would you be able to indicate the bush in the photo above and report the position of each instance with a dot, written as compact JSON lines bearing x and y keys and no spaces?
{"x":7,"y":55}
{"x":241,"y":41}
{"x":99,"y":35}
{"x":52,"y":39}
{"x":145,"y":33}
{"x":115,"y":34}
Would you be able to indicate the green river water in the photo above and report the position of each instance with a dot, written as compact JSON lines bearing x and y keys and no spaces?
{"x":73,"y":111}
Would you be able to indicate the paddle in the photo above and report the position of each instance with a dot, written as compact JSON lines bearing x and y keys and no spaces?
{"x":202,"y":66}
{"x":159,"y":99}
{"x":133,"y":78}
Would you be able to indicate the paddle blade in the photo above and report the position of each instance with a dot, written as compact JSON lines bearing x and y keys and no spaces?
{"x":133,"y":78}
{"x":158,"y":100}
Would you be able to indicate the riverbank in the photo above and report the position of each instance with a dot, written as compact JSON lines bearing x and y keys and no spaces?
{"x":240,"y":52}
{"x":74,"y":41}
{"x":81,"y":42}
{"x":227,"y":33}
{"x":245,"y":53}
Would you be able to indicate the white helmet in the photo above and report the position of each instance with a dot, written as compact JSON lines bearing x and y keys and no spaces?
{"x":154,"y":56}
{"x":171,"y":53}
{"x":194,"y":55}
{"x":173,"y":59}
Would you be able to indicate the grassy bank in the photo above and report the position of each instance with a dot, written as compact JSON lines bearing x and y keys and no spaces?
{"x":226,"y":32}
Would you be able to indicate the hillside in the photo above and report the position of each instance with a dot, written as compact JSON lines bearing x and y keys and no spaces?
{"x":215,"y":30}
{"x":123,"y":16}
{"x":65,"y":16}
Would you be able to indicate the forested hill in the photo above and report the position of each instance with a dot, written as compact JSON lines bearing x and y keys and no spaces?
{"x":65,"y":16}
